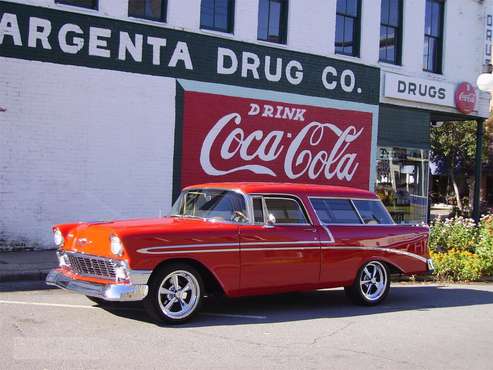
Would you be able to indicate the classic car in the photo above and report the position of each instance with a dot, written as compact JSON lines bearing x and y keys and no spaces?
{"x":241,"y":239}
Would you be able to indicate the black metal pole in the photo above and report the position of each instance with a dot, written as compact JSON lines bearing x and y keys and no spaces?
{"x":476,"y":213}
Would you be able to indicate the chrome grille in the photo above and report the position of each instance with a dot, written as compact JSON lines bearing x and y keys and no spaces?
{"x":87,"y":265}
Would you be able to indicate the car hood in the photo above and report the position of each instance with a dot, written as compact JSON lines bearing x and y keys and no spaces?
{"x":93,"y":237}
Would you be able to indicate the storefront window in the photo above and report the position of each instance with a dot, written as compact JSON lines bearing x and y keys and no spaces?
{"x":402,"y":183}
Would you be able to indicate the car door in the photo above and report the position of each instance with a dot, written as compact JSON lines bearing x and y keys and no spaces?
{"x":284,"y":252}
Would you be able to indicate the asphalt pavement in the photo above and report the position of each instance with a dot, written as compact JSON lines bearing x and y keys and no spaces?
{"x":420,"y":326}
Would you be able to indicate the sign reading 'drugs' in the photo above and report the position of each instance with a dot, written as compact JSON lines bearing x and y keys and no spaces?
{"x":425,"y":91}
{"x":48,"y":35}
{"x":243,"y":138}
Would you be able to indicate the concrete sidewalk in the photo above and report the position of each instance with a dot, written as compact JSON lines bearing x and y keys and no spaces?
{"x":28,"y":265}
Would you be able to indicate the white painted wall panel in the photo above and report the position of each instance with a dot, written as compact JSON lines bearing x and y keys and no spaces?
{"x":81,"y":144}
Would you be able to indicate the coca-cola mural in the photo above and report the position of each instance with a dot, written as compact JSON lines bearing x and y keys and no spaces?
{"x":228,"y":138}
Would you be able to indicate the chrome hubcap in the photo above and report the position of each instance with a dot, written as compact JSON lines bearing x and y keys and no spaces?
{"x":373,"y":280}
{"x":178,"y":294}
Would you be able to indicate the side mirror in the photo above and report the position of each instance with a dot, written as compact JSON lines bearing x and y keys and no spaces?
{"x":271,"y":220}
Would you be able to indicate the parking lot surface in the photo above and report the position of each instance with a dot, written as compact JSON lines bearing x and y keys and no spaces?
{"x":418,"y":327}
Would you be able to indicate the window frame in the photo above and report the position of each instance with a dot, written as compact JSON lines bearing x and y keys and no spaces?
{"x":280,"y":196}
{"x":356,"y":32}
{"x":164,"y":13}
{"x":283,"y":22}
{"x":351,"y":199}
{"x":398,"y":31}
{"x":438,"y":67}
{"x":231,"y":18}
{"x":68,"y":2}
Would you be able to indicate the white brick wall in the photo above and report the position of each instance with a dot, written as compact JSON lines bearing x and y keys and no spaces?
{"x":81,"y":144}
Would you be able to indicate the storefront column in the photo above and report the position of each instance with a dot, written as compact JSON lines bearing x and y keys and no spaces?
{"x":477,"y":173}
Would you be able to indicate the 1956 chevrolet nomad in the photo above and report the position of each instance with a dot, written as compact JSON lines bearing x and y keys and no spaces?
{"x":241,"y":239}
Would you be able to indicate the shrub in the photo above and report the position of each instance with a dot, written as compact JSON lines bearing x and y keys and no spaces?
{"x":453,"y":233}
{"x":484,"y":248}
{"x":457,"y":265}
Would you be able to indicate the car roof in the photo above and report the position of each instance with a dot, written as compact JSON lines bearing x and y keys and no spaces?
{"x":290,"y":188}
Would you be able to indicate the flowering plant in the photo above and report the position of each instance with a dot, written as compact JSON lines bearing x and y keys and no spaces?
{"x":462,"y":249}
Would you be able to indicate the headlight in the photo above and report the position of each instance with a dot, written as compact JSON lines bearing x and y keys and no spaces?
{"x":58,"y":238}
{"x":116,"y":245}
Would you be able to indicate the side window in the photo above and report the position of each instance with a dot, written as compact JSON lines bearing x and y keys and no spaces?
{"x":335,"y":211}
{"x":217,"y":15}
{"x":155,"y":10}
{"x":373,"y":212}
{"x":258,"y":210}
{"x":285,"y":210}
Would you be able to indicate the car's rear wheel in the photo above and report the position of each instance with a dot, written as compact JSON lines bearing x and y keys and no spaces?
{"x":372,"y":284}
{"x":175,"y":294}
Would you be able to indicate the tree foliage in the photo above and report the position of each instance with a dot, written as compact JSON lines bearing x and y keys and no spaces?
{"x":453,"y":147}
{"x":453,"y":151}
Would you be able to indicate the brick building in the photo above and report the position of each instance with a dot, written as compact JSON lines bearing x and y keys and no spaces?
{"x":108,"y":108}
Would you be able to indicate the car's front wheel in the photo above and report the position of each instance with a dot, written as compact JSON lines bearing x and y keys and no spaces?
{"x":372,"y":284}
{"x":175,"y":294}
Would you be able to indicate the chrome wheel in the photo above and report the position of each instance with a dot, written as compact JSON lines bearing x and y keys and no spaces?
{"x":373,"y":281}
{"x":178,"y":294}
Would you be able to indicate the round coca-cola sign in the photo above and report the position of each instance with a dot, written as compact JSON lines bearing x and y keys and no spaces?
{"x":465,"y":97}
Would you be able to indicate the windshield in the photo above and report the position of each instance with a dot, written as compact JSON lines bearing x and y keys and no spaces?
{"x":215,"y":204}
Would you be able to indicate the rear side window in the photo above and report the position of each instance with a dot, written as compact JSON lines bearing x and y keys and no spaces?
{"x":285,"y":210}
{"x":335,"y":211}
{"x":373,"y":212}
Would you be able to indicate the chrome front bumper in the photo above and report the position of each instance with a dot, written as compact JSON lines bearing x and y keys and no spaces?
{"x":108,"y":292}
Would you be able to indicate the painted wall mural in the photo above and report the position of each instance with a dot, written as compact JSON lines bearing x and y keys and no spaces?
{"x":238,"y":138}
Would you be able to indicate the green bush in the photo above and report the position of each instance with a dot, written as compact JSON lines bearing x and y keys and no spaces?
{"x":453,"y":233}
{"x":457,"y":265}
{"x":484,"y":248}
{"x":462,"y":250}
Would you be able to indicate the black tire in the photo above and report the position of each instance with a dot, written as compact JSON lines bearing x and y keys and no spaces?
{"x":376,"y":289}
{"x":160,"y":307}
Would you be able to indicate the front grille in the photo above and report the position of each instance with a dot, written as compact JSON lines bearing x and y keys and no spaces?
{"x":91,"y":266}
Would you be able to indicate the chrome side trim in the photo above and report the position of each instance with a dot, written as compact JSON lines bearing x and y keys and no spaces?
{"x":380,"y":249}
{"x":197,"y":251}
{"x":279,"y":249}
{"x":146,"y":250}
{"x":238,"y":250}
{"x":151,"y":250}
{"x":282,"y":243}
{"x":326,"y":247}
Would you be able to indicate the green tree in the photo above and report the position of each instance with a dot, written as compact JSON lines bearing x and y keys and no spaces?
{"x":453,"y":151}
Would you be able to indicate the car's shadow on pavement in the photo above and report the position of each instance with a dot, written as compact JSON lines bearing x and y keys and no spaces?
{"x":316,"y":305}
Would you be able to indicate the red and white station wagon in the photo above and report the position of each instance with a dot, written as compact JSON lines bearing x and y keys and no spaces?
{"x":241,"y":239}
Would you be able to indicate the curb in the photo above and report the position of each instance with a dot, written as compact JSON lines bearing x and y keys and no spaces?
{"x":39,"y":275}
